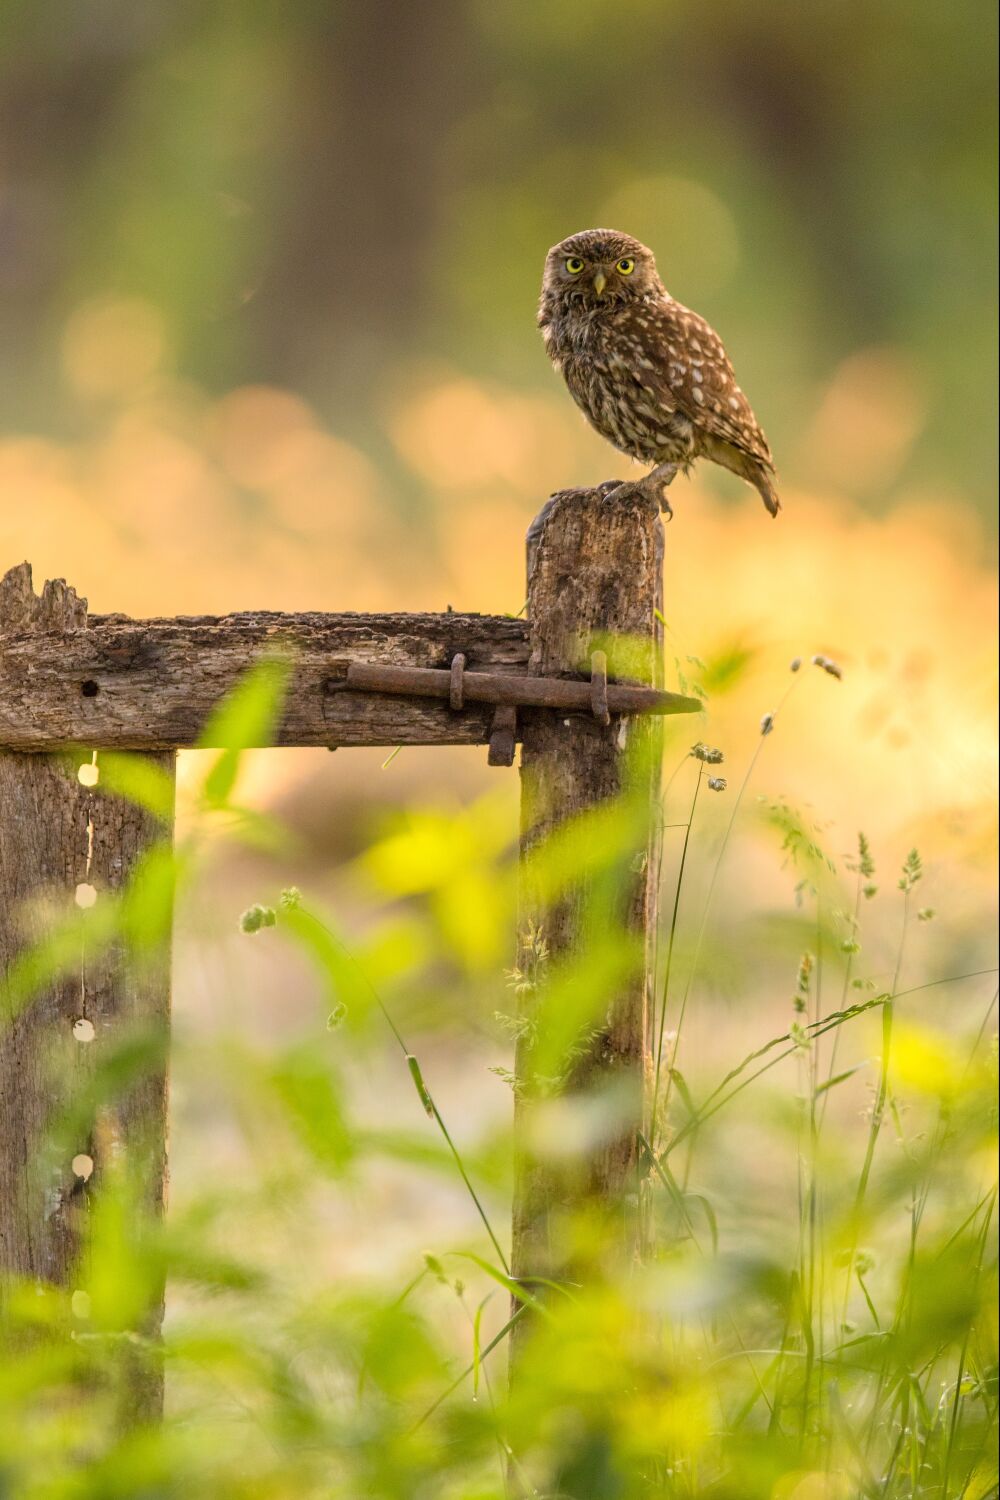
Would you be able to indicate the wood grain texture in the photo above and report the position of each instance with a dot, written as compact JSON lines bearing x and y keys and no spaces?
{"x":56,"y":1034}
{"x":594,"y":570}
{"x":128,"y":684}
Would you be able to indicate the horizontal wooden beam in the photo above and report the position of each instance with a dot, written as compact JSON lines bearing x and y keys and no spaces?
{"x":108,"y":681}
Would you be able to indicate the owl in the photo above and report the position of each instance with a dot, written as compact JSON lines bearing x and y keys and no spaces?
{"x":649,"y":374}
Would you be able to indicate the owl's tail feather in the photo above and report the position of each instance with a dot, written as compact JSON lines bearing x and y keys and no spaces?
{"x":749,"y":467}
{"x":763,"y":483}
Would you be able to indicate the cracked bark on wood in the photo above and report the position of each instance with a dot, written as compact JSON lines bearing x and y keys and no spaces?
{"x":55,"y":835}
{"x":69,"y":679}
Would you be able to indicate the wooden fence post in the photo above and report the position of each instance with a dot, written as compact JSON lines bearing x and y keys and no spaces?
{"x":151,"y":686}
{"x":62,"y":841}
{"x":594,"y":571}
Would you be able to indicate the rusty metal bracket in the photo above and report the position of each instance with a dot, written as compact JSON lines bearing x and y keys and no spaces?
{"x":460,"y":687}
{"x":503,"y":733}
{"x":456,"y":692}
{"x":599,"y":688}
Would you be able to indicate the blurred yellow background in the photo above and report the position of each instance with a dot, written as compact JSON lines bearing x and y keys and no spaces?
{"x":268,"y":277}
{"x":268,"y":285}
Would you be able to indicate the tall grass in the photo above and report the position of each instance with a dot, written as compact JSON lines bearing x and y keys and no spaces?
{"x":810,"y":1316}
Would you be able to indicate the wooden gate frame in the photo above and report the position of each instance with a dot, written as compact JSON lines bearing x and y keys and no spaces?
{"x":69,"y":679}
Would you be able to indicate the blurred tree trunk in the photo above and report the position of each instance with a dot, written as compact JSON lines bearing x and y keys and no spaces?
{"x":387,"y":81}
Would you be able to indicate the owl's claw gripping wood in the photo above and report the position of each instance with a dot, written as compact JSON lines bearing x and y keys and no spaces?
{"x":650,"y":375}
{"x":658,"y":480}
{"x":630,"y":489}
{"x":651,"y":489}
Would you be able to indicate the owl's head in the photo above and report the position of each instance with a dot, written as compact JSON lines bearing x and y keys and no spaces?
{"x":599,"y":268}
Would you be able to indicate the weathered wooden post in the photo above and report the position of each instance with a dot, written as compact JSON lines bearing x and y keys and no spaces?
{"x":110,"y":683}
{"x":62,"y":842}
{"x":594,"y":572}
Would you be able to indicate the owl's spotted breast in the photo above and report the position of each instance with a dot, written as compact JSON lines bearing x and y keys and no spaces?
{"x":651,"y":375}
{"x":611,"y":377}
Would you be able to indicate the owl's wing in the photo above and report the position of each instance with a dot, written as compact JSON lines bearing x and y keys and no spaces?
{"x":700,"y":381}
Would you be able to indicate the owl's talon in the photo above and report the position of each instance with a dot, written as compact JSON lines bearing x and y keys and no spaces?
{"x":666,"y":509}
{"x":627,"y":489}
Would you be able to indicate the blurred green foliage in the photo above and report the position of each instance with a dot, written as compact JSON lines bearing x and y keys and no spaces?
{"x":348,"y":201}
{"x":812,"y":1315}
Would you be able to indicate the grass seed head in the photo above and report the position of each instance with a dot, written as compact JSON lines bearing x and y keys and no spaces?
{"x":913,"y":871}
{"x":828,"y":665}
{"x":255,"y":917}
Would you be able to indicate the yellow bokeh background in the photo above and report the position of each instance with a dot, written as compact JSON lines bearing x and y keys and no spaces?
{"x":180,"y":503}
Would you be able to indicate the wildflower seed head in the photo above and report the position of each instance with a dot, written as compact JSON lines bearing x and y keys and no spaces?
{"x":707,"y":754}
{"x":435,"y":1267}
{"x":514,"y":1083}
{"x":799,"y":1036}
{"x":828,"y":665}
{"x":255,"y":917}
{"x":291,"y":897}
{"x":862,"y":864}
{"x":912,"y":871}
{"x":925,"y":914}
{"x":869,"y":891}
{"x":717,"y":783}
{"x":795,"y":664}
{"x":767,"y":724}
{"x":534,"y":943}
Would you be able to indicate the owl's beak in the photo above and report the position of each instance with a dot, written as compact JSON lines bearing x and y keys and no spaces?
{"x":600,"y":282}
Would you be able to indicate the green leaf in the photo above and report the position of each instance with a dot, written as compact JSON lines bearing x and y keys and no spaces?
{"x":710,"y":1216}
{"x":308,"y":1090}
{"x":684,"y":1091}
{"x":246,"y":719}
{"x":421,"y":1087}
{"x":727,"y":667}
{"x":831,"y":1083}
{"x":138,"y":779}
{"x":515,"y":1288}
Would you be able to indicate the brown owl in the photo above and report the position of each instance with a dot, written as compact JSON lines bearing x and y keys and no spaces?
{"x":650,"y":375}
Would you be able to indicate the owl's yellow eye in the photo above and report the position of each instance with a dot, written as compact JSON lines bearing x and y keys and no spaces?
{"x":625,"y":266}
{"x":574,"y":265}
